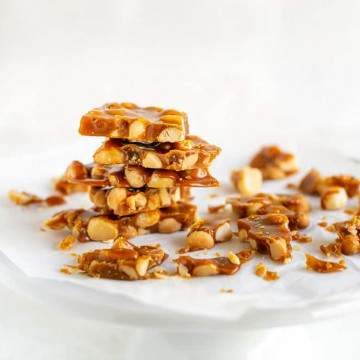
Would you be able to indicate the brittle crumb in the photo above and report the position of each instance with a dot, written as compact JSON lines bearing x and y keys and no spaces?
{"x":262,"y":271}
{"x":322,"y":266}
{"x":227,"y":291}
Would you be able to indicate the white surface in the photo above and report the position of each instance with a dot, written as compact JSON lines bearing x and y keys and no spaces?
{"x":297,"y":294}
{"x":268,"y":70}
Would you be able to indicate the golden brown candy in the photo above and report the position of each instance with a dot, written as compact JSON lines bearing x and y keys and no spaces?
{"x":131,"y":122}
{"x":268,"y":234}
{"x":189,"y":266}
{"x":94,"y":226}
{"x":321,"y":266}
{"x":137,"y":176}
{"x":295,"y":207}
{"x":274,"y":163}
{"x":127,"y":201}
{"x":191,"y":153}
{"x":131,"y":263}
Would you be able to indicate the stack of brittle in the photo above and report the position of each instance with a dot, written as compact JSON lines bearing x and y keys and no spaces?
{"x":141,"y":176}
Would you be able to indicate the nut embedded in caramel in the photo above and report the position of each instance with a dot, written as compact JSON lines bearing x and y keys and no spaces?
{"x":274,"y":163}
{"x":138,"y":177}
{"x":268,"y":234}
{"x":349,"y":235}
{"x":204,"y":234}
{"x":23,"y":198}
{"x":91,"y":225}
{"x":127,"y":201}
{"x":295,"y":207}
{"x":189,"y":266}
{"x":189,"y":154}
{"x":131,"y":122}
{"x":121,"y":263}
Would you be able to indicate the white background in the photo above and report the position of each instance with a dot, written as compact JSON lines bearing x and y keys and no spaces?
{"x":246,"y":71}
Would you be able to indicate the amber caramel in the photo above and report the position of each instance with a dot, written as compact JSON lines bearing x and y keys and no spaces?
{"x":268,"y":234}
{"x":131,"y":122}
{"x":191,"y":153}
{"x":136,"y":176}
{"x":90,"y":225}
{"x":274,"y":163}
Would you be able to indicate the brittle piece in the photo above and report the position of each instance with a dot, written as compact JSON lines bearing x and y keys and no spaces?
{"x":204,"y":234}
{"x":247,"y":181}
{"x":121,"y":263}
{"x":315,"y":184}
{"x":131,"y":122}
{"x":191,"y":153}
{"x":136,"y":176}
{"x":268,"y":234}
{"x":189,"y":266}
{"x":127,"y":201}
{"x":295,"y":207}
{"x":310,"y":183}
{"x":93,"y":226}
{"x":349,"y":235}
{"x":274,"y":163}
{"x":348,"y":182}
{"x":23,"y":198}
{"x":321,"y":266}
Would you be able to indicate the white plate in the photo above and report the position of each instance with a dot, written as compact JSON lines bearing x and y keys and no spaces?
{"x":30,"y":264}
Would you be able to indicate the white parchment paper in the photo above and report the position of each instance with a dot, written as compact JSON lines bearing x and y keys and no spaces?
{"x":34,"y":251}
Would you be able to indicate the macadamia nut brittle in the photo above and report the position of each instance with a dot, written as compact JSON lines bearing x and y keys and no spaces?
{"x":268,"y":234}
{"x":127,"y":201}
{"x":136,"y":176}
{"x":204,"y":234}
{"x":333,"y":190}
{"x":295,"y":207}
{"x":23,"y":198}
{"x":349,"y":235}
{"x":131,"y":263}
{"x":131,"y":122}
{"x":88,"y":225}
{"x":222,"y":265}
{"x":191,"y":153}
{"x":274,"y":163}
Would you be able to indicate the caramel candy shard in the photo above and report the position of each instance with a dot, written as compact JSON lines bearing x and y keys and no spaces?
{"x":191,"y":153}
{"x":23,"y":198}
{"x":332,"y":249}
{"x":247,"y":181}
{"x":204,"y":234}
{"x":315,"y":184}
{"x":321,"y":266}
{"x":310,"y":183}
{"x":127,"y":201}
{"x":348,"y":182}
{"x":274,"y":163}
{"x":295,"y":207}
{"x":137,"y":177}
{"x":131,"y":122}
{"x":65,"y":187}
{"x":189,"y":266}
{"x":268,"y":234}
{"x":121,"y":263}
{"x":93,"y":226}
{"x":348,"y":233}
